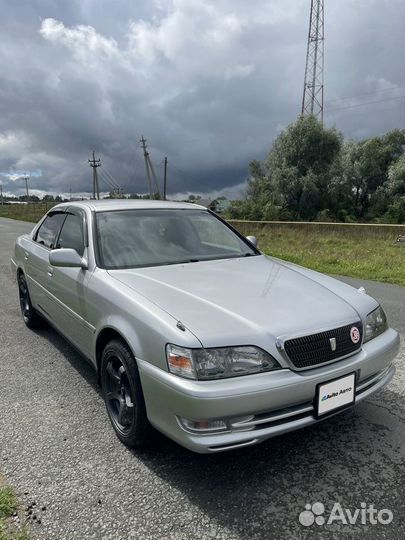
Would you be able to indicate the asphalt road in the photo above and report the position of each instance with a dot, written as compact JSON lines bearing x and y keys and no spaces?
{"x":58,"y":449}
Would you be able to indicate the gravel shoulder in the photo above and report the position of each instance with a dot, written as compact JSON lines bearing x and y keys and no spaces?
{"x":58,"y":449}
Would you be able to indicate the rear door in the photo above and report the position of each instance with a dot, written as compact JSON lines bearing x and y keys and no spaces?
{"x":36,"y":263}
{"x":68,"y":285}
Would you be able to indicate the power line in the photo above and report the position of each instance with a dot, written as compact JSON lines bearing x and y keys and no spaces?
{"x":135,"y":164}
{"x":106,"y":180}
{"x":112,"y":178}
{"x":359,"y":112}
{"x":365,"y":103}
{"x":136,"y":158}
{"x":189,"y":178}
{"x":397,"y":87}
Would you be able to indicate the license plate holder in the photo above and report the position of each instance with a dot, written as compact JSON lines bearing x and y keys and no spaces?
{"x":335,"y":395}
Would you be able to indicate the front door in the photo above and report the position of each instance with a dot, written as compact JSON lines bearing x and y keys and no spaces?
{"x":68,"y":286}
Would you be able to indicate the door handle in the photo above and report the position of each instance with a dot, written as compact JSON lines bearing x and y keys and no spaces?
{"x":50,"y":271}
{"x":26,"y":256}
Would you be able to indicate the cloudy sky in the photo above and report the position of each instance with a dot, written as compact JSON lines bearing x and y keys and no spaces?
{"x":209,"y":83}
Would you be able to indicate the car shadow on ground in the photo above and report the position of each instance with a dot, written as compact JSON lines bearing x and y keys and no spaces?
{"x":259,"y":491}
{"x":71,"y":354}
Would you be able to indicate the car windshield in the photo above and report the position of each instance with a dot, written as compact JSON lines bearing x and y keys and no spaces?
{"x":137,"y":238}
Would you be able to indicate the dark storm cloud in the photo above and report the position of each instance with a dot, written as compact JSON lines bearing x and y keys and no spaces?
{"x":209,"y":83}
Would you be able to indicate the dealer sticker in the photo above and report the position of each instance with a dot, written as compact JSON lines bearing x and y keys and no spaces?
{"x":354,"y":334}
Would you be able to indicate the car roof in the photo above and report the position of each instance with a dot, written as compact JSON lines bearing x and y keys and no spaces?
{"x":104,"y":205}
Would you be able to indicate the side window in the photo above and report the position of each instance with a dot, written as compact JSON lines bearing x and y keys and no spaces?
{"x":71,"y":235}
{"x":49,"y":229}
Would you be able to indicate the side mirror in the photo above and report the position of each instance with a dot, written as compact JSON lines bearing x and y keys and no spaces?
{"x":66,"y":258}
{"x":252,"y":240}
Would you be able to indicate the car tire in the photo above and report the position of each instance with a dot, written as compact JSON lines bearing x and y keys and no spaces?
{"x":123,"y":396}
{"x":30,"y":316}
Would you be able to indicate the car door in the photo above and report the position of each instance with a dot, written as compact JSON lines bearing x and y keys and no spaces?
{"x":68,"y":285}
{"x":36,"y":260}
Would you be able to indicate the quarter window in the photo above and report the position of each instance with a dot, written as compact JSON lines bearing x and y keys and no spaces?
{"x":71,"y":235}
{"x":49,"y":229}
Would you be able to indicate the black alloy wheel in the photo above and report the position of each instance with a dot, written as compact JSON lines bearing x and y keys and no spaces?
{"x":29,"y":314}
{"x":118,"y":396}
{"x":123,"y":396}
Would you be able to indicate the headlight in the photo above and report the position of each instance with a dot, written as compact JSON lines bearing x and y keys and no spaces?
{"x":376,"y":324}
{"x":204,"y":364}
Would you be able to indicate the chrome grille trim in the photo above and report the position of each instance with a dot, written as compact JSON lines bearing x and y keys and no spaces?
{"x":315,"y":349}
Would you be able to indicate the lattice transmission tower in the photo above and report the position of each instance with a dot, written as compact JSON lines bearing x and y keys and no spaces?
{"x":312,"y":99}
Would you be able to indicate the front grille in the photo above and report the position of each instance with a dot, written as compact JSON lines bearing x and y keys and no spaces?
{"x":309,"y":351}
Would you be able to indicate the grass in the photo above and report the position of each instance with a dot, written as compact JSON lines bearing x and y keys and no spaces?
{"x":9,"y":505}
{"x":365,"y":254}
{"x":25,"y":212}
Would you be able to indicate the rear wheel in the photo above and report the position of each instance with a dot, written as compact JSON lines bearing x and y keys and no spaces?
{"x":123,"y":396}
{"x":31,"y":317}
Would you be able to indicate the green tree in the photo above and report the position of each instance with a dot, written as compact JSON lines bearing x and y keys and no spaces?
{"x":299,"y":166}
{"x":260,"y":202}
{"x":365,"y":167}
{"x":395,"y":192}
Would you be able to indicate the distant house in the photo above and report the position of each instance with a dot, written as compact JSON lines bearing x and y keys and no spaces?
{"x":205,"y":202}
{"x":15,"y":202}
{"x":216,"y":205}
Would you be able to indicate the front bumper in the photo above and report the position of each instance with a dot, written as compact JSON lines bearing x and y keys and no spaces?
{"x":275,"y":402}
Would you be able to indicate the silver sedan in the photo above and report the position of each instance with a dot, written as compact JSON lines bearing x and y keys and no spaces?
{"x":192,"y":330}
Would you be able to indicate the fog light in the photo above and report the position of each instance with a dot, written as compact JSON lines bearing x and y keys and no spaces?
{"x":203,"y":426}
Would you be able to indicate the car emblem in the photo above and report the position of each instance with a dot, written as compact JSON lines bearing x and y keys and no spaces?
{"x":354,"y":334}
{"x":332,"y":342}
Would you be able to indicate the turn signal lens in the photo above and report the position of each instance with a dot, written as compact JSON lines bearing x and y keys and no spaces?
{"x":180,"y":361}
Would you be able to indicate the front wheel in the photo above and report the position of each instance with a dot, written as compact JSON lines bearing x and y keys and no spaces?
{"x":31,"y":317}
{"x":123,"y":396}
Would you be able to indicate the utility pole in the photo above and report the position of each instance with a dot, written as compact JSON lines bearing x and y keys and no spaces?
{"x":312,"y":98}
{"x":149,"y":168}
{"x":146,"y":158}
{"x":26,"y":177}
{"x":165,"y":178}
{"x":94,"y":163}
{"x":1,"y":194}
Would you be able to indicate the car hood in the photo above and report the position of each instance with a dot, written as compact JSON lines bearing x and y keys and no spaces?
{"x":232,"y":301}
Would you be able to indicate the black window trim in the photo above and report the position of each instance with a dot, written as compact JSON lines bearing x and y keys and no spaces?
{"x":81,"y":214}
{"x":65,"y":210}
{"x":49,"y":214}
